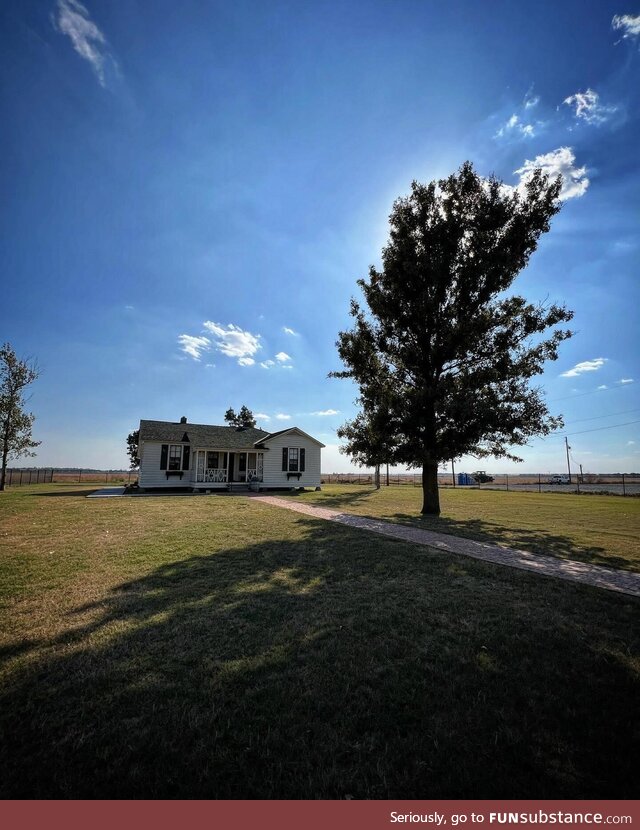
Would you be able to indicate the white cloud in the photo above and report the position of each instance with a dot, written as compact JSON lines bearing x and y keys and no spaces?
{"x":234,"y":342}
{"x":267,"y":364}
{"x":282,"y":357}
{"x":585,"y":366}
{"x":604,"y":386}
{"x":324,"y":412}
{"x":628,"y":24}
{"x":287,"y":330}
{"x":531,"y":101}
{"x":194,"y":346}
{"x":625,"y":380}
{"x":260,"y":416}
{"x":558,"y":162}
{"x":588,"y":108}
{"x":282,"y":417}
{"x":286,"y":367}
{"x":630,"y":443}
{"x":74,"y":21}
{"x":514,"y":126}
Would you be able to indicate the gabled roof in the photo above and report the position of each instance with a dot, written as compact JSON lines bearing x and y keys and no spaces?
{"x":201,"y":435}
{"x":271,"y":435}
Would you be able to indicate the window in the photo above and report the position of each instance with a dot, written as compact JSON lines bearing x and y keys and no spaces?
{"x":174,"y":457}
{"x":293,"y":459}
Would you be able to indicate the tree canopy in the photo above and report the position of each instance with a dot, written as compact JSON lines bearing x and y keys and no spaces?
{"x":442,"y":357}
{"x":133,"y":441}
{"x":15,"y":424}
{"x":244,"y":418}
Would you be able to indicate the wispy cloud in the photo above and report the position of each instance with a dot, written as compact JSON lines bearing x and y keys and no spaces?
{"x":558,"y":162}
{"x":232,"y":341}
{"x":324,"y":412}
{"x":585,"y":366}
{"x":282,"y":417}
{"x":267,"y":364}
{"x":73,"y":19}
{"x":587,"y":107}
{"x":194,"y":346}
{"x":515,"y":127}
{"x":628,"y":24}
{"x":603,"y":386}
{"x":283,"y":357}
{"x":260,"y":416}
{"x":626,"y":380}
{"x":287,"y":330}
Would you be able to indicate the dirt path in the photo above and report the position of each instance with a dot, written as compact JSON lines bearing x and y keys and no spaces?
{"x":609,"y":578}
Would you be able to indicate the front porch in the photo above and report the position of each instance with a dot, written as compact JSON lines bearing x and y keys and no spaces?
{"x":220,"y":468}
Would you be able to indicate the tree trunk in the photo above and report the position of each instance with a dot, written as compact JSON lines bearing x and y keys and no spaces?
{"x":430,"y":494}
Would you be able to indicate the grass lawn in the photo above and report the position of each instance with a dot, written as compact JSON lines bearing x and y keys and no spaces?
{"x":215,"y":647}
{"x":601,"y":530}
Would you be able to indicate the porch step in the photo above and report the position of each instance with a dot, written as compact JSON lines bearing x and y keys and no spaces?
{"x":237,"y":485}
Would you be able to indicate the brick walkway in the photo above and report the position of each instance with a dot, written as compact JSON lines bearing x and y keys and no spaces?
{"x":613,"y":580}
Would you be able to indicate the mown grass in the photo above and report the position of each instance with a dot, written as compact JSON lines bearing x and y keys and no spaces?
{"x":215,"y":647}
{"x":601,"y":530}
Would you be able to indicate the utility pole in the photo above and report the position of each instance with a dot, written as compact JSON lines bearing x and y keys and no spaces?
{"x":581,"y":476}
{"x":567,"y":447}
{"x":387,"y":473}
{"x":453,"y":473}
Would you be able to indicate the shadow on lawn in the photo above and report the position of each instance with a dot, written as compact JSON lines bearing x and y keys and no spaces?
{"x":326,"y":667}
{"x":62,"y":493}
{"x":534,"y":541}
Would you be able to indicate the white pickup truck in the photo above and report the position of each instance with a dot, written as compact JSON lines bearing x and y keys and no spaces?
{"x":559,"y":480}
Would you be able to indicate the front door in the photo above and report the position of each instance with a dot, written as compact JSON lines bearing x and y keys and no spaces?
{"x":242,"y":466}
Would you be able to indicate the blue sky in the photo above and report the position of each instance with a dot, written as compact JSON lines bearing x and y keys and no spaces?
{"x":192,"y":189}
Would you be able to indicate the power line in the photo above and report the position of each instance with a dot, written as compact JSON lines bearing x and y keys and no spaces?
{"x":593,"y":392}
{"x":598,"y":429}
{"x":610,"y":415}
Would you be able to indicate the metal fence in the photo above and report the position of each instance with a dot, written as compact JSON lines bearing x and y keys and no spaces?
{"x":622,"y":484}
{"x":21,"y":476}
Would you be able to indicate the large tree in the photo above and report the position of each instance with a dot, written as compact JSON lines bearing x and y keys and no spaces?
{"x":244,"y":418}
{"x":15,"y":423}
{"x":443,"y":356}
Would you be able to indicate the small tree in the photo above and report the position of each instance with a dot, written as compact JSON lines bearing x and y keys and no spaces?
{"x":244,"y":418}
{"x":15,"y":423}
{"x":133,"y":441}
{"x":451,"y":354}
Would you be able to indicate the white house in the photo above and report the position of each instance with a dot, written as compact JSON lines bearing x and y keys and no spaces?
{"x":204,"y":457}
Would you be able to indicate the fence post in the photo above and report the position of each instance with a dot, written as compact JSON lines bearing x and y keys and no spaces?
{"x":539,"y":484}
{"x":80,"y":476}
{"x":21,"y":471}
{"x":624,"y":490}
{"x":507,"y":477}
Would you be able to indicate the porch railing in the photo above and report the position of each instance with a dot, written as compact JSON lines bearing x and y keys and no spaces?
{"x":214,"y":475}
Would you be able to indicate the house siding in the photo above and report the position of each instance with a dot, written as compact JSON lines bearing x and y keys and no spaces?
{"x":274,"y":476}
{"x":152,"y":476}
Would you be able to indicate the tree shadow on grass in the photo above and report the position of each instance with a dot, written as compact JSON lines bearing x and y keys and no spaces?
{"x":528,"y":539}
{"x":334,"y":665}
{"x":62,"y":493}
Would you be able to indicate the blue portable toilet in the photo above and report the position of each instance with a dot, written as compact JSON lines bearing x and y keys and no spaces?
{"x":465,"y":478}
